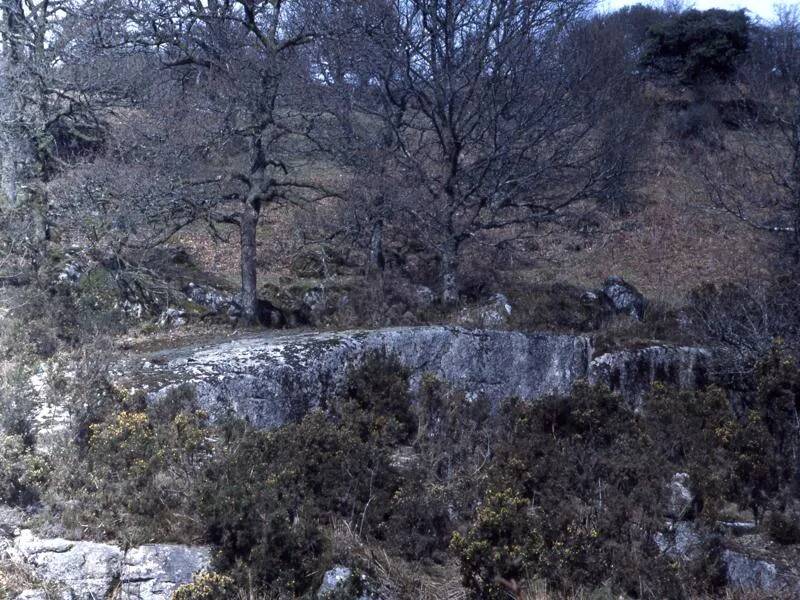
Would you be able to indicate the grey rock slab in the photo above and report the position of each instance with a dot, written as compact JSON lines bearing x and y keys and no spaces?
{"x":750,"y":573}
{"x":631,"y":373}
{"x":88,"y":569}
{"x":155,"y":571}
{"x":679,"y":539}
{"x":269,"y":380}
{"x":680,"y":498}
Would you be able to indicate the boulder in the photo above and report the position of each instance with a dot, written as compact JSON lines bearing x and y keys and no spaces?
{"x":624,"y":298}
{"x":749,"y":573}
{"x":341,"y":582}
{"x":495,"y":313}
{"x":680,"y":500}
{"x":32,"y":595}
{"x":679,"y":539}
{"x":88,"y":569}
{"x":172,"y":317}
{"x":214,"y":300}
{"x":155,"y":571}
{"x":334,"y":580}
{"x":271,"y":379}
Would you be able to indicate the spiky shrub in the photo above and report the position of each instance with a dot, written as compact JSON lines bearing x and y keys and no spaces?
{"x":499,"y":545}
{"x":584,"y":486}
{"x":208,"y":586}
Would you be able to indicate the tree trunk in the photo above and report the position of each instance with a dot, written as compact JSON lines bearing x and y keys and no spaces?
{"x":376,"y":261}
{"x":449,"y":272}
{"x":249,"y":299}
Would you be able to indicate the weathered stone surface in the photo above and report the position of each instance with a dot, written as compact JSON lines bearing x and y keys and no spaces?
{"x":339,"y":583}
{"x":751,"y":573}
{"x":155,"y":571}
{"x":624,"y":298}
{"x":91,"y":570}
{"x":88,"y":569}
{"x":680,"y":499}
{"x":269,"y":380}
{"x":494,"y":313}
{"x":333,"y":580}
{"x":679,"y":539}
{"x":631,"y":373}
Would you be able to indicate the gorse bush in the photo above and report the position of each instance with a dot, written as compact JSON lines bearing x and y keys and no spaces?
{"x":583,"y":485}
{"x":23,"y":473}
{"x":499,"y":546}
{"x":208,"y":586}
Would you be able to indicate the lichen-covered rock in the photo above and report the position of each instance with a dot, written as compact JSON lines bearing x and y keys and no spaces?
{"x":494,"y":313}
{"x":680,"y":499}
{"x":624,"y":298}
{"x":632,"y":373}
{"x":334,"y":580}
{"x":341,"y":582}
{"x":269,"y":380}
{"x":91,"y":570}
{"x":88,"y":569}
{"x":212,"y":299}
{"x":155,"y":571}
{"x":679,"y":539}
{"x":751,"y":573}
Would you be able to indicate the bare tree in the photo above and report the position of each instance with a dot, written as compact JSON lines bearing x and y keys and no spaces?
{"x":239,"y":71}
{"x":497,"y":129}
{"x":48,"y":105}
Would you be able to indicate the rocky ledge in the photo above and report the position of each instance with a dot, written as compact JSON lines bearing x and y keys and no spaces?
{"x":269,"y":380}
{"x":91,"y":571}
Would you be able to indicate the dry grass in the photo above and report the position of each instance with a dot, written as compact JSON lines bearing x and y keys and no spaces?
{"x":15,"y":579}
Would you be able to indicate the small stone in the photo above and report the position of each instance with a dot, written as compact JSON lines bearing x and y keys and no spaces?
{"x":333,"y":581}
{"x":681,"y":499}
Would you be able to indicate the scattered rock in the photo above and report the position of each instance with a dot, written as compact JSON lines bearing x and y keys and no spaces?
{"x":155,"y":571}
{"x":172,"y":317}
{"x":749,"y":573}
{"x":681,"y":499}
{"x":624,"y":298}
{"x":88,"y":569}
{"x":680,"y":539}
{"x":491,"y":315}
{"x":334,"y":580}
{"x":341,"y":582}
